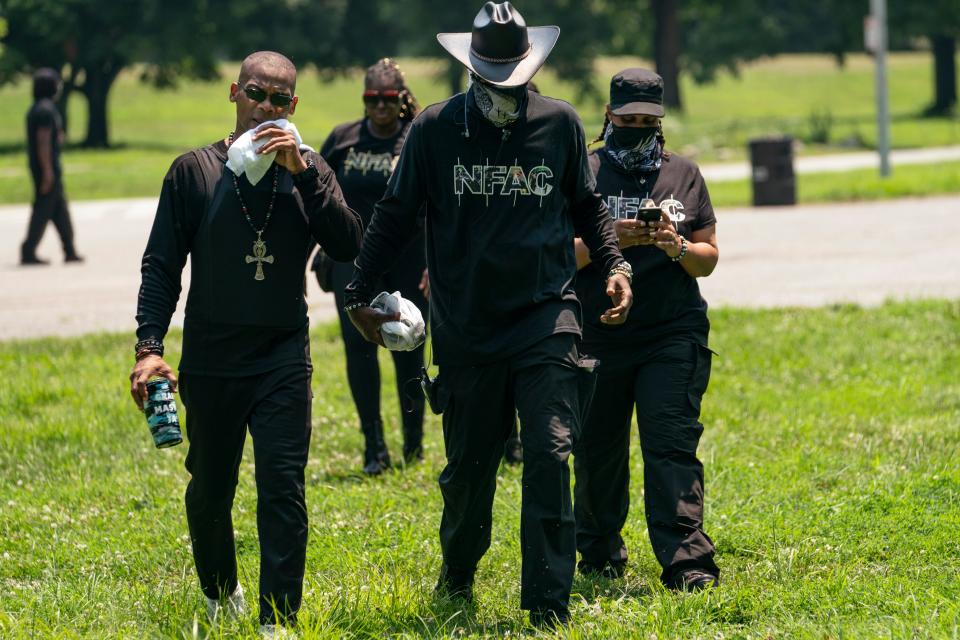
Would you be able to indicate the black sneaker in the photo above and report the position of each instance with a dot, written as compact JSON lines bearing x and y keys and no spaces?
{"x":33,"y":261}
{"x":456,"y":586}
{"x":693,"y":580}
{"x":549,"y":619}
{"x":377,"y":465}
{"x":412,"y":454}
{"x":74,"y":258}
{"x":376,"y":458}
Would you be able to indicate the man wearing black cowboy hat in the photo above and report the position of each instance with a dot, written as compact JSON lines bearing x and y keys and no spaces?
{"x":502,"y":174}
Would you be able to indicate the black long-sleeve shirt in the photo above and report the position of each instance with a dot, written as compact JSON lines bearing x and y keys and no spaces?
{"x":234,"y":324}
{"x":502,"y":209}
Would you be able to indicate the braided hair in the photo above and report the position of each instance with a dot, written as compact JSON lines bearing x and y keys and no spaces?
{"x":388,"y":70}
{"x":603,"y":130}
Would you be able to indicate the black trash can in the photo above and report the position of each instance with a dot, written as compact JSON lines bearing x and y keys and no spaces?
{"x":771,"y":162}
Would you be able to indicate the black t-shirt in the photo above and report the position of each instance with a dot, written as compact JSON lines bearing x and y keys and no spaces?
{"x":235,"y":324}
{"x":666,"y":299}
{"x":44,"y":115}
{"x":502,"y":208}
{"x":363,"y":163}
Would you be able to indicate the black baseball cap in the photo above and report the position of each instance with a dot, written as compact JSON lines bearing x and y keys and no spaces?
{"x":636,"y":92}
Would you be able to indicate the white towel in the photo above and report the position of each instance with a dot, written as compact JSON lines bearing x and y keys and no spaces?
{"x":407,"y":333}
{"x":242,"y":156}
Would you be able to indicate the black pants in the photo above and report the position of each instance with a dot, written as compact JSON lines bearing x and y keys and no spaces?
{"x":275,"y":406}
{"x":542,"y":382}
{"x":51,"y":206}
{"x":363,"y":369}
{"x":666,"y":383}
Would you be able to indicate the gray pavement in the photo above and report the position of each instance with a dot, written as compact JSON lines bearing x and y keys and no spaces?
{"x":806,"y":255}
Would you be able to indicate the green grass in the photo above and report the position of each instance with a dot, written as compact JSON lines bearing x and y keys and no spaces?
{"x":833,"y":495}
{"x":861,"y":184}
{"x":780,"y":95}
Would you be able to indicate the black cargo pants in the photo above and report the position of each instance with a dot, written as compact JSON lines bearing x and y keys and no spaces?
{"x":478,"y":402}
{"x":665,"y":382}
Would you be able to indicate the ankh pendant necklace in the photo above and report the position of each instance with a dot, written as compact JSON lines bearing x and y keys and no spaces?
{"x":259,"y":245}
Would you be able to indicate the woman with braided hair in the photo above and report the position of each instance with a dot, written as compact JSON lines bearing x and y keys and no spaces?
{"x":658,"y":361}
{"x":363,"y":154}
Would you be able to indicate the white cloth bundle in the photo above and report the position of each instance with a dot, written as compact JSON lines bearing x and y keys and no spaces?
{"x":407,"y":333}
{"x":242,"y":156}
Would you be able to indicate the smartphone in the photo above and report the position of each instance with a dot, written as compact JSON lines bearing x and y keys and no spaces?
{"x":648,"y":214}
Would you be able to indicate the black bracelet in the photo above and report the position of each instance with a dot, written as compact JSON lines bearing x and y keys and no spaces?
{"x":148,"y":346}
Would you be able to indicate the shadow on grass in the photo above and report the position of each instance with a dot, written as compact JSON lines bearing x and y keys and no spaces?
{"x":590,"y":588}
{"x":444,"y":618}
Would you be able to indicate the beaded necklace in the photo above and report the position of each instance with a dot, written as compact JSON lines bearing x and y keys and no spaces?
{"x":259,"y":245}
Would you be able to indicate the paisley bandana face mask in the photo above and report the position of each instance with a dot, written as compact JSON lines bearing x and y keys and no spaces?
{"x":634,"y":148}
{"x":501,"y":106}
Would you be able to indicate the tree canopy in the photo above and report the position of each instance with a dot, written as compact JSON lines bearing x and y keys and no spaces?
{"x":91,"y":41}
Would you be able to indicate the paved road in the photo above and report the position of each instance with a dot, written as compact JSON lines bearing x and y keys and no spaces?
{"x":805,"y":255}
{"x":837,"y":162}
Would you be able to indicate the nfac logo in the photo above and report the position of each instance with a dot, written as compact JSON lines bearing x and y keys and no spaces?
{"x":502,"y":180}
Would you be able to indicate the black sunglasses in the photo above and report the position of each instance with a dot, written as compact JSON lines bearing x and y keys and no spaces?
{"x":276,"y":99}
{"x":389,"y":96}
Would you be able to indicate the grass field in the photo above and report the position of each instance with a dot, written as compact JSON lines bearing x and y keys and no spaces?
{"x":809,"y":97}
{"x":831,"y":450}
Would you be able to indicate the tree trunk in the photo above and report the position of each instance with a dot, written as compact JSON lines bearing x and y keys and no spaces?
{"x":69,"y":84}
{"x":97,"y":88}
{"x":944,"y":75}
{"x":666,"y":50}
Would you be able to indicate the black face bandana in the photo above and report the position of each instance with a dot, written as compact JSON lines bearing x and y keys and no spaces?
{"x":634,"y":148}
{"x":631,"y":138}
{"x":500,"y":105}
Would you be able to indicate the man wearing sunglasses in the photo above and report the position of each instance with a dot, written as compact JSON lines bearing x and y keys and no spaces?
{"x":503,"y":176}
{"x":245,"y":362}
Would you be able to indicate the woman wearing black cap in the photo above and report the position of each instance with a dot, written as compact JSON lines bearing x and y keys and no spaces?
{"x":659,"y":360}
{"x":363,"y":153}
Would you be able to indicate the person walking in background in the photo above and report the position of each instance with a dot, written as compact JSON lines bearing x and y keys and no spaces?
{"x":45,"y":138}
{"x":362,"y":154}
{"x":246,"y":350}
{"x":502,"y":173}
{"x":658,"y":361}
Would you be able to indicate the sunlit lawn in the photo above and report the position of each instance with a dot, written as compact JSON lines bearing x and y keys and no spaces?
{"x":833,"y":494}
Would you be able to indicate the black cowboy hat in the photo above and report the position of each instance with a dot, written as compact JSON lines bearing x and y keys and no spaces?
{"x":501,"y":49}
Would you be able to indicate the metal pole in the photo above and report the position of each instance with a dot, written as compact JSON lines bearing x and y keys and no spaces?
{"x":878,"y":8}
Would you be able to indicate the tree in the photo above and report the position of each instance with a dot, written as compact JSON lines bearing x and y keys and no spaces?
{"x":91,"y":41}
{"x":666,"y":49}
{"x":939,"y":22}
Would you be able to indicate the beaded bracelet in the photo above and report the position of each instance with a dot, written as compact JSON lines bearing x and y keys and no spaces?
{"x":683,"y":250}
{"x":148,"y":346}
{"x":355,"y":305}
{"x":623,"y":269}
